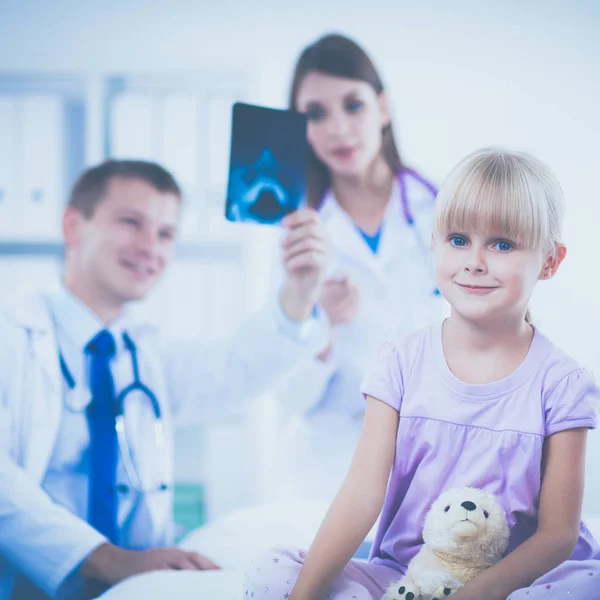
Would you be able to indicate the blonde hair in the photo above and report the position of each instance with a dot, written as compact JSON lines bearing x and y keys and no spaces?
{"x":511,"y":193}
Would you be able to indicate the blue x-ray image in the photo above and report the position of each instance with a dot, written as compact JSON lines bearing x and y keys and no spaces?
{"x":267,"y":168}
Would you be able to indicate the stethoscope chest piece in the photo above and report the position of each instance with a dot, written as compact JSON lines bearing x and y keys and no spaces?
{"x":79,"y":399}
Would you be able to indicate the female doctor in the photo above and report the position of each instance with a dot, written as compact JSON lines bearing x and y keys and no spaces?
{"x":378,"y":213}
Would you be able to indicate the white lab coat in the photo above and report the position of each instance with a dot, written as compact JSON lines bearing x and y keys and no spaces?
{"x":320,"y":407}
{"x":41,"y":539}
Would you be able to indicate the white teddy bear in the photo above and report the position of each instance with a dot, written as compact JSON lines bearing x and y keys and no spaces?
{"x":465,"y":532}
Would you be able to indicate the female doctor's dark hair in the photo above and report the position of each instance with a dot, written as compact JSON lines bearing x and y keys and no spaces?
{"x":338,"y":56}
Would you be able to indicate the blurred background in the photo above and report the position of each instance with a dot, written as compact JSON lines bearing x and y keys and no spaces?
{"x":81,"y":81}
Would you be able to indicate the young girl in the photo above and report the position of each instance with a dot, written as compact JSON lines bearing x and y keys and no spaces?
{"x":379,"y":216}
{"x":483,"y":399}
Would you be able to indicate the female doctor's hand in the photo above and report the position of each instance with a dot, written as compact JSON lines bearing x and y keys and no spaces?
{"x":306,"y":250}
{"x":339,"y":300}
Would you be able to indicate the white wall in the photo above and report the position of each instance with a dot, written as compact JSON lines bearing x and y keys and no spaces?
{"x":460,"y":75}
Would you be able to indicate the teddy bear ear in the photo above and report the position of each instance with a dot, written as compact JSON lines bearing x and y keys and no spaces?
{"x":490,"y":497}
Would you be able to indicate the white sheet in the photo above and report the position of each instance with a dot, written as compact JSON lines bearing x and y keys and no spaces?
{"x":233,"y":542}
{"x":180,"y":585}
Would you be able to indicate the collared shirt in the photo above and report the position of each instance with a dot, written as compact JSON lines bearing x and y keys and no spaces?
{"x":66,"y":479}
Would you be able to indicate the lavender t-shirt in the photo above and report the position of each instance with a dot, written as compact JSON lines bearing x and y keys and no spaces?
{"x":453,"y":434}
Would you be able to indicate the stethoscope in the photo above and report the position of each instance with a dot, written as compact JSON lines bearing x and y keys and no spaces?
{"x":424,"y":249}
{"x":409,"y":218}
{"x":124,"y":449}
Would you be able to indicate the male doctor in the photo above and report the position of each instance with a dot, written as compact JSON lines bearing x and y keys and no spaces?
{"x":72,"y":515}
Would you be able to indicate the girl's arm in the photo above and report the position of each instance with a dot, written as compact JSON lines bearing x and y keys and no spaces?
{"x":559,"y":520}
{"x":356,"y":506}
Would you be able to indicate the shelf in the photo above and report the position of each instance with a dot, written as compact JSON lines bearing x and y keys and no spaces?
{"x":217,"y":251}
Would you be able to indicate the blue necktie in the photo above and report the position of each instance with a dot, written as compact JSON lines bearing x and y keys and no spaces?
{"x":102,"y":495}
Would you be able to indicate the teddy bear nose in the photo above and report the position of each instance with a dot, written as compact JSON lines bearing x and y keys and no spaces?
{"x":468,"y":505}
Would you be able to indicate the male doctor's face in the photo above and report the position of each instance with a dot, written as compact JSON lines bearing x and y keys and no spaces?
{"x":121,"y":251}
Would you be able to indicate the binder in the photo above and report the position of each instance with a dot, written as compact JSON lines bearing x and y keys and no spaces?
{"x":9,"y":226}
{"x":42,"y":166}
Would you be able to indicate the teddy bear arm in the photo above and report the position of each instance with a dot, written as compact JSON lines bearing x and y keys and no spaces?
{"x":445,"y":590}
{"x":404,"y":589}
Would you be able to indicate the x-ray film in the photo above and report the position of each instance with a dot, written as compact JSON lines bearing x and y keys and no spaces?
{"x":267,"y":168}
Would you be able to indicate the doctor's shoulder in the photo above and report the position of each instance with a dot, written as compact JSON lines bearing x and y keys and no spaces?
{"x":421,"y":194}
{"x":13,"y":343}
{"x":13,"y":330}
{"x":27,"y":312}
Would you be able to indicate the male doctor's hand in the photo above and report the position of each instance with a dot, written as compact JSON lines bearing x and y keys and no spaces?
{"x":306,"y":251}
{"x":111,"y":564}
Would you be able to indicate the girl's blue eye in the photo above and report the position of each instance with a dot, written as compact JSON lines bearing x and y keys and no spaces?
{"x":504,"y":246}
{"x":458,"y":241}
